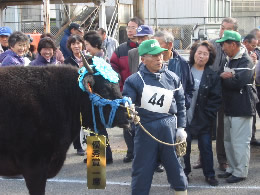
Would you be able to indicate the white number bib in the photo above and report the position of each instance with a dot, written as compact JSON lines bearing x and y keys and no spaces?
{"x":156,"y":99}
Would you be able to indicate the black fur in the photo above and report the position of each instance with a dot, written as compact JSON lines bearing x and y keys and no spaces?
{"x":40,"y":116}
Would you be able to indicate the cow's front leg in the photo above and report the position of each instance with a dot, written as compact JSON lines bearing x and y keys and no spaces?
{"x":35,"y":178}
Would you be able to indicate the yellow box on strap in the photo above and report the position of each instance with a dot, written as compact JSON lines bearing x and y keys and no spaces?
{"x":96,"y":162}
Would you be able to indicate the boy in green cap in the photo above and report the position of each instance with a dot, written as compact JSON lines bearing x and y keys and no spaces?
{"x":239,"y":106}
{"x":159,"y":97}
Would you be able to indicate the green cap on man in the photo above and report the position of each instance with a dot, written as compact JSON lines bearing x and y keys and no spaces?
{"x":230,"y":35}
{"x":151,"y":47}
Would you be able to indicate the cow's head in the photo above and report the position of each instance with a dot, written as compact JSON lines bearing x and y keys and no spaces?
{"x":96,"y":82}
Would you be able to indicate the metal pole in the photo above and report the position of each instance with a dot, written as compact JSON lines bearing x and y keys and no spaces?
{"x":230,"y":9}
{"x":215,"y":6}
{"x":1,"y":16}
{"x":156,"y":19}
{"x":223,"y":8}
{"x":46,"y":13}
{"x":138,"y":6}
{"x":148,"y":12}
{"x":102,"y":15}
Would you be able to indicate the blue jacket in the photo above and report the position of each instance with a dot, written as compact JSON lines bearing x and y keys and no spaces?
{"x":181,"y":68}
{"x":10,"y":58}
{"x":63,"y":44}
{"x":133,"y":88}
{"x":41,"y":61}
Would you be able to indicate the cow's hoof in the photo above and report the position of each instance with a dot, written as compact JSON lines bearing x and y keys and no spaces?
{"x":85,"y":160}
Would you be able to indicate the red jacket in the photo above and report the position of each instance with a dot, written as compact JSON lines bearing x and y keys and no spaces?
{"x":119,"y":60}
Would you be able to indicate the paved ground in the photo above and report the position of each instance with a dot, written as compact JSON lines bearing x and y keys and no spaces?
{"x":72,"y":178}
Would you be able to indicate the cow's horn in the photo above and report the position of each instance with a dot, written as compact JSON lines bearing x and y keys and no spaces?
{"x":86,"y":64}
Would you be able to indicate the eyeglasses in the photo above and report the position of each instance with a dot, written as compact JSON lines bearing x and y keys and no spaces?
{"x":131,"y":28}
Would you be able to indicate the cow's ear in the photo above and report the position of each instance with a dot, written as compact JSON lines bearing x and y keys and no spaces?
{"x":89,"y":82}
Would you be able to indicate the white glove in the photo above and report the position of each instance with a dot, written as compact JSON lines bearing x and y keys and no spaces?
{"x":181,"y":134}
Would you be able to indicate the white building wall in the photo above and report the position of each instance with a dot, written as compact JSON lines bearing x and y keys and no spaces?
{"x":11,"y":18}
{"x":175,"y":9}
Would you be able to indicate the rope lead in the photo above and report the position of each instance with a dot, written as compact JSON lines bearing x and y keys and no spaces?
{"x":180,"y":145}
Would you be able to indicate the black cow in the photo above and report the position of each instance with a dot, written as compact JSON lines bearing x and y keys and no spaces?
{"x":40,"y":117}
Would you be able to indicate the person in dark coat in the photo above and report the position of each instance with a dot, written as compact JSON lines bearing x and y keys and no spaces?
{"x":46,"y":53}
{"x":160,"y":102}
{"x":205,"y":103}
{"x":250,"y":42}
{"x":119,"y":62}
{"x":93,"y":43}
{"x":176,"y":64}
{"x":217,"y":66}
{"x":76,"y":44}
{"x":239,"y":98}
{"x":59,"y":56}
{"x":73,"y":29}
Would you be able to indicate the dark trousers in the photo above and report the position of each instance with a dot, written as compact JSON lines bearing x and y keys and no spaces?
{"x":147,"y":152}
{"x":254,"y":117}
{"x":129,"y":134}
{"x":206,"y":154}
{"x":76,"y":143}
{"x":220,"y":148}
{"x":253,"y":129}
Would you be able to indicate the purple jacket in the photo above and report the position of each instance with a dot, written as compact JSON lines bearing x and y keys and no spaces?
{"x":41,"y":61}
{"x":10,"y":58}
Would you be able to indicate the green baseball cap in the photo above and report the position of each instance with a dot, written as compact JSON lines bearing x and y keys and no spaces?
{"x":230,"y":35}
{"x":151,"y":47}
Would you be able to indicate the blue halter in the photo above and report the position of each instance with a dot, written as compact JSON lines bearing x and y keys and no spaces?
{"x":101,"y":102}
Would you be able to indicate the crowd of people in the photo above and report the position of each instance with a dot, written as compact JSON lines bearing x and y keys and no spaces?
{"x":215,"y":91}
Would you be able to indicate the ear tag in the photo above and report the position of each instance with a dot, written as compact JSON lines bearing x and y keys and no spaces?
{"x":89,"y":88}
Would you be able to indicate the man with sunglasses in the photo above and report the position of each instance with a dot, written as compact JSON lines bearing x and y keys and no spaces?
{"x":239,"y":99}
{"x":159,"y":97}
